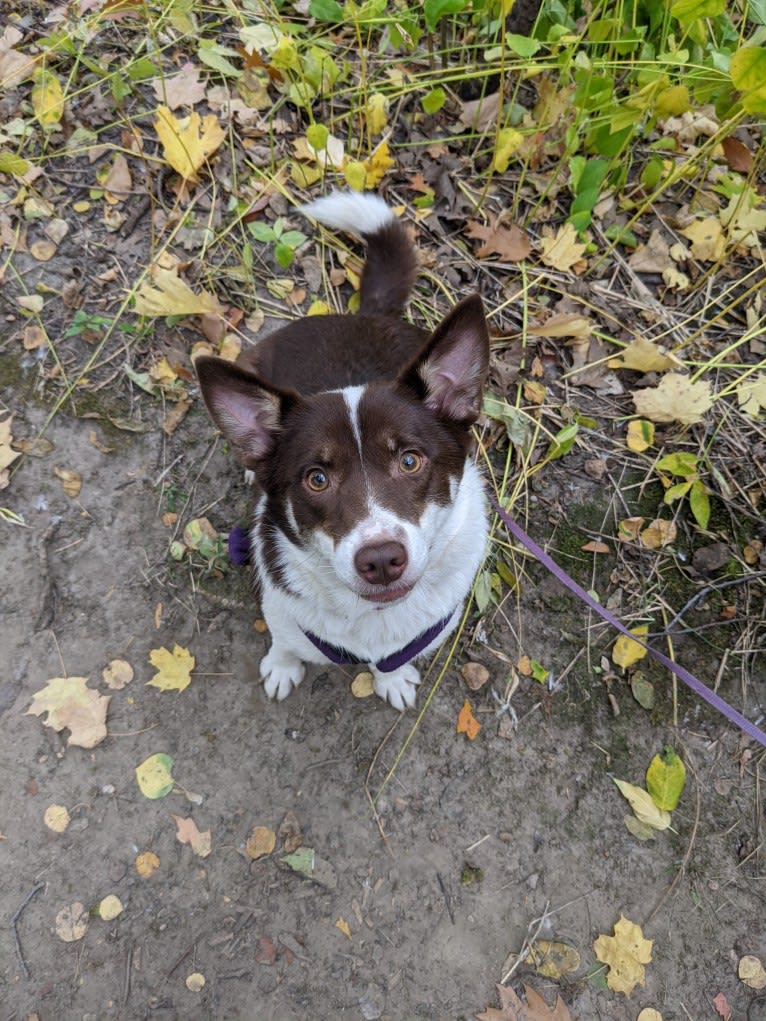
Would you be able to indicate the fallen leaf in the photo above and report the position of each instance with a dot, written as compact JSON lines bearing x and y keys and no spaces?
{"x":289,"y":833}
{"x":658,"y":533}
{"x":640,"y":435}
{"x":7,"y":456}
{"x":552,"y":959}
{"x":47,"y":98}
{"x":70,"y":480}
{"x":146,"y":864}
{"x":43,"y":250}
{"x":117,"y":674}
{"x":176,"y":415}
{"x":110,"y":907}
{"x":642,"y":690}
{"x":628,"y":529}
{"x":154,"y":776}
{"x":377,"y":165}
{"x":511,"y":243}
{"x":562,"y":251}
{"x":707,"y":238}
{"x":188,"y":833}
{"x":467,"y":723}
{"x":56,"y":818}
{"x":643,"y":807}
{"x":751,"y":395}
{"x":173,"y":297}
{"x":480,"y":114}
{"x":182,"y":89}
{"x":188,"y":142}
{"x":564,"y":324}
{"x":524,"y":666}
{"x":649,"y":1014}
{"x":117,"y":183}
{"x":173,"y":668}
{"x":626,"y":953}
{"x":626,"y":651}
{"x":309,"y":864}
{"x":343,"y":926}
{"x":71,"y":704}
{"x":261,"y":842}
{"x":475,"y":675}
{"x":71,"y":922}
{"x":376,"y":112}
{"x":363,"y":685}
{"x":195,"y":981}
{"x":666,"y":778}
{"x":653,"y":257}
{"x":676,"y":399}
{"x":514,"y":1009}
{"x":640,"y":830}
{"x":265,"y":951}
{"x":644,"y":355}
{"x":722,"y":1007}
{"x":751,"y":972}
{"x":739,"y":158}
{"x":595,"y":546}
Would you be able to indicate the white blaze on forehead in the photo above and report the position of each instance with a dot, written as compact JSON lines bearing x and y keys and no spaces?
{"x":352,"y":395}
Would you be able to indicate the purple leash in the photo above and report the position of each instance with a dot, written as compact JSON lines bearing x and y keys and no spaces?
{"x":682,"y":673}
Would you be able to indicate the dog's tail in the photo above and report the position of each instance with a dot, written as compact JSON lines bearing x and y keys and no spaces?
{"x":391,"y":265}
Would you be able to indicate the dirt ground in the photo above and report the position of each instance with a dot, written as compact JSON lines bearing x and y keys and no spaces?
{"x":477,"y":845}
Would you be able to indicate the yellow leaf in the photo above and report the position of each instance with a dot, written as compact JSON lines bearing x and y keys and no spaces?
{"x":644,"y":356}
{"x":56,"y":818}
{"x":666,"y":778}
{"x":508,"y":142}
{"x":195,"y":981}
{"x":649,"y":1014}
{"x":752,"y":972}
{"x":706,"y":236}
{"x":376,"y":112}
{"x":626,"y":953}
{"x":551,"y":959}
{"x":187,"y":142}
{"x":355,"y":174}
{"x":752,"y":395}
{"x":562,"y":251}
{"x":319,"y":308}
{"x":467,"y":723}
{"x":154,"y":776}
{"x":658,"y":533}
{"x":109,"y":907}
{"x":70,"y":703}
{"x":362,"y":685}
{"x":70,"y":480}
{"x":173,"y":297}
{"x":47,"y":98}
{"x":173,"y":668}
{"x":146,"y":864}
{"x":676,"y":399}
{"x":377,"y":165}
{"x":117,"y":674}
{"x":626,"y":652}
{"x":640,"y":435}
{"x":672,"y":102}
{"x":188,"y":833}
{"x":343,"y":926}
{"x":261,"y":842}
{"x":643,"y":807}
{"x":566,"y":324}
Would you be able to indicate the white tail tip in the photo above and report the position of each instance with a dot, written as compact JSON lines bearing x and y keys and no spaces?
{"x":359,"y":213}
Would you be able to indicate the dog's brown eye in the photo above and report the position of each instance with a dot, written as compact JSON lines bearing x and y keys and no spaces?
{"x":410,"y":462}
{"x":317,"y":480}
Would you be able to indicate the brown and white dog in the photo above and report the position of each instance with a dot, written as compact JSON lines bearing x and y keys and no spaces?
{"x":370,"y":523}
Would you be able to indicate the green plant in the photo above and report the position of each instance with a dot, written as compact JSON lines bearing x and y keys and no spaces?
{"x":685,"y":466}
{"x":284,"y":241}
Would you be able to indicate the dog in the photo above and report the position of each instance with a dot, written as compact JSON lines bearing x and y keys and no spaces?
{"x":370,"y":522}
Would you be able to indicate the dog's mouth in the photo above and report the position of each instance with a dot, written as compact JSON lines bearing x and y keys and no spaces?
{"x":387,"y":595}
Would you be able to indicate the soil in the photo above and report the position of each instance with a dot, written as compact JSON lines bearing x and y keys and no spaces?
{"x":471,"y":848}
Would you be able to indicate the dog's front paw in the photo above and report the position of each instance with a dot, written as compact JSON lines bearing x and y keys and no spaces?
{"x":399,"y":687}
{"x":281,"y":672}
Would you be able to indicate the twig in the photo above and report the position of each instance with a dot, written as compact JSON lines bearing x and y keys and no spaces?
{"x":447,"y":899}
{"x":128,"y":965}
{"x":14,"y":930}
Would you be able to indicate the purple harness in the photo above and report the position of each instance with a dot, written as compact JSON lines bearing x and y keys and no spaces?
{"x":342,"y":657}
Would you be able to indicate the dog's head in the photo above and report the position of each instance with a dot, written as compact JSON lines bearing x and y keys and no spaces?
{"x":363,"y":476}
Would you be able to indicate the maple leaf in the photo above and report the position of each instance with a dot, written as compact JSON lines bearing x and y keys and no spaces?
{"x":510,"y":243}
{"x":626,"y":953}
{"x":7,"y":456}
{"x":172,"y":296}
{"x":183,"y":89}
{"x":563,"y":250}
{"x":188,"y":142}
{"x":512,"y":1008}
{"x":676,"y":399}
{"x":626,"y":652}
{"x":706,"y":236}
{"x":467,"y":723}
{"x":751,"y":397}
{"x":377,"y":165}
{"x":188,"y":833}
{"x":71,"y":704}
{"x":173,"y":668}
{"x":658,"y":533}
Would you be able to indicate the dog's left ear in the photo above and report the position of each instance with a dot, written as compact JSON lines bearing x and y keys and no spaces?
{"x":450,"y":372}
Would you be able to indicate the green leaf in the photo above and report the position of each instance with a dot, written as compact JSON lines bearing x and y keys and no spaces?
{"x":748,"y":74}
{"x":563,"y":441}
{"x":262,"y":231}
{"x":12,"y":164}
{"x":326,"y":10}
{"x":284,"y":254}
{"x":482,"y":591}
{"x":539,"y":672}
{"x":642,"y":690}
{"x":699,"y":501}
{"x":301,"y":861}
{"x":317,"y":135}
{"x":677,"y":492}
{"x":522,"y":45}
{"x":680,"y":463}
{"x":433,"y":101}
{"x":435,"y":10}
{"x":666,"y":778}
{"x":692,"y":10}
{"x":293,"y":238}
{"x":214,"y":56}
{"x":154,"y":776}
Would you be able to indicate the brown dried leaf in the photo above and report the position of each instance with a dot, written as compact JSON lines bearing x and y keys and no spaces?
{"x":71,"y":704}
{"x":514,"y":1009}
{"x":475,"y":675}
{"x":261,"y":842}
{"x":183,"y":89}
{"x":511,"y":243}
{"x":676,"y":399}
{"x":737,"y":155}
{"x":188,"y":833}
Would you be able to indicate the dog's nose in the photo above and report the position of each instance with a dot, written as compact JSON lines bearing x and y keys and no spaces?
{"x":382,"y":563}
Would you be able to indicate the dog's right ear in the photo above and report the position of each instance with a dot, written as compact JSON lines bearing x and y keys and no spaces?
{"x":247,"y":412}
